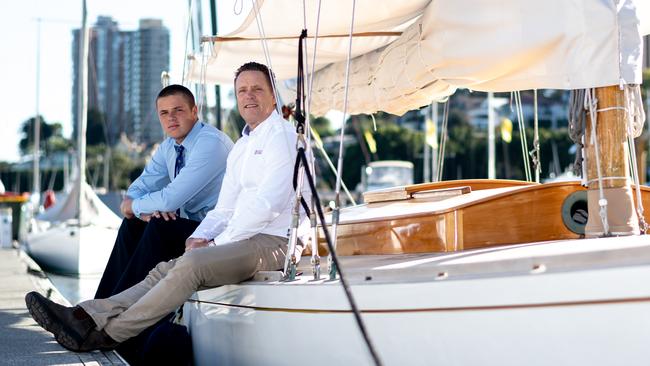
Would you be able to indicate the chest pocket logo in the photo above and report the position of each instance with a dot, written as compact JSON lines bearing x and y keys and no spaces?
{"x":257,"y":152}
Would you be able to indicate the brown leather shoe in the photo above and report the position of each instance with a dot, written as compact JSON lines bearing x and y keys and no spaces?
{"x":70,"y":325}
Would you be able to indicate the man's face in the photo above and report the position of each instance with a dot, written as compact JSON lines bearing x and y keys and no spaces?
{"x":255,"y":99}
{"x":176,"y":116}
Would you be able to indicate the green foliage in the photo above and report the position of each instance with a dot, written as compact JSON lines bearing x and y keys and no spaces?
{"x":96,"y":133}
{"x":234,"y":124}
{"x":122,"y":167}
{"x":26,"y":143}
{"x":322,"y":126}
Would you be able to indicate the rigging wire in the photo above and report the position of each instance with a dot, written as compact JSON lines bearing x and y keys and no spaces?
{"x":306,"y":167}
{"x":577,"y":130}
{"x":522,"y":135}
{"x":315,"y":257}
{"x":267,"y":55}
{"x":311,"y":131}
{"x":535,"y":153}
{"x":187,"y":35}
{"x":635,"y":114}
{"x":202,"y":92}
{"x":443,"y":141}
{"x":339,"y":168}
{"x":591,"y":103}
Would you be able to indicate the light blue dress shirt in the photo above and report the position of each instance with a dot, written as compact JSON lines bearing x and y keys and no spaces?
{"x":196,"y":188}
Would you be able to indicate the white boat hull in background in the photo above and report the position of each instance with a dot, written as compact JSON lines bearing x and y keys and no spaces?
{"x":72,"y":250}
{"x":574,"y":302}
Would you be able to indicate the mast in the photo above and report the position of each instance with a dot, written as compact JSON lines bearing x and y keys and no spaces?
{"x":491,"y":138}
{"x":217,"y":88}
{"x":36,"y":183}
{"x":607,"y":163}
{"x":82,"y":107}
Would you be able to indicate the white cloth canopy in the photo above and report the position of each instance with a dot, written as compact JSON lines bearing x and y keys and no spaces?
{"x":445,"y":45}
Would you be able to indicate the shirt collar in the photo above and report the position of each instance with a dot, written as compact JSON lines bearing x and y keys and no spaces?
{"x":260,"y":127}
{"x":190,"y":139}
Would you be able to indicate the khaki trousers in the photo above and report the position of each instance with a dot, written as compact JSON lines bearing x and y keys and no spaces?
{"x":170,"y":284}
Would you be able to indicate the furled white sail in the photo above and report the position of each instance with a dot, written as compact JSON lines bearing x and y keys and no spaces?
{"x":95,"y":211}
{"x":284,"y":18}
{"x":475,"y":44}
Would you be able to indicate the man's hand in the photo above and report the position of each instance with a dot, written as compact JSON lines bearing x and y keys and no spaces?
{"x":193,"y":243}
{"x":126,"y":208}
{"x":165,"y":215}
{"x":145,"y":217}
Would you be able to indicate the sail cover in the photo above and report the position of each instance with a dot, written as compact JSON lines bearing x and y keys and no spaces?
{"x":95,"y":211}
{"x":444,"y":45}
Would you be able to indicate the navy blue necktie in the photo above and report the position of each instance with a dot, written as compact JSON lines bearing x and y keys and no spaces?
{"x":180,"y":163}
{"x":180,"y":159}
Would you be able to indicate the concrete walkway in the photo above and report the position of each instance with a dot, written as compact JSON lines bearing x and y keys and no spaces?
{"x":23,"y":342}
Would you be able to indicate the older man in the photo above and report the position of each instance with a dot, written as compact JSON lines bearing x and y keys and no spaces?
{"x":246,"y":232}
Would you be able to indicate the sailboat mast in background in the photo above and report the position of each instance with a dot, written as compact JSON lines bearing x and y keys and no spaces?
{"x":36,"y":181}
{"x":82,"y":108}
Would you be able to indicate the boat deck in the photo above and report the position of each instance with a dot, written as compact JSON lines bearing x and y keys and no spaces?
{"x":523,"y":259}
{"x":23,"y":341}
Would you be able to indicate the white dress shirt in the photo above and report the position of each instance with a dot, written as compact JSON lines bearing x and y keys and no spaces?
{"x":257,"y":193}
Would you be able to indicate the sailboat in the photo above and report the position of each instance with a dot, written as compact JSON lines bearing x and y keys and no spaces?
{"x":470,"y":272}
{"x":76,"y":235}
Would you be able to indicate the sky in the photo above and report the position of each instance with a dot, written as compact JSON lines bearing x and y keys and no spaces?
{"x":18,"y":65}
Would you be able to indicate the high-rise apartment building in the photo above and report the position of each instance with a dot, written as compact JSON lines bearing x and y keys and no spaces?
{"x":124,"y":77}
{"x":146,"y":56}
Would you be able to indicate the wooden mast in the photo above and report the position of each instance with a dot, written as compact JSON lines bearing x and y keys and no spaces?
{"x":611,"y":136}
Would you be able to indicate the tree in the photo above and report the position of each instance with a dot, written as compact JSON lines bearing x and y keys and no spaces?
{"x":26,"y":143}
{"x":322,"y":126}
{"x":235,"y":124}
{"x":96,"y":133}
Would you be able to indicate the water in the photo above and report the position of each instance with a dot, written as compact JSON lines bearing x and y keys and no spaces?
{"x":75,"y":289}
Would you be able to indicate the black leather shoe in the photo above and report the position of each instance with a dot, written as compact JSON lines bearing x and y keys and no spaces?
{"x":70,"y":325}
{"x":97,"y":340}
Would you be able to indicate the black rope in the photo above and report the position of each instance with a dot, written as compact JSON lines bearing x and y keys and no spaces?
{"x":302,"y":158}
{"x":353,"y":305}
{"x":296,"y":170}
{"x":299,"y":114}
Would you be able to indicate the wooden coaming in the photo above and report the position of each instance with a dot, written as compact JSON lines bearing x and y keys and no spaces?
{"x":517,"y":214}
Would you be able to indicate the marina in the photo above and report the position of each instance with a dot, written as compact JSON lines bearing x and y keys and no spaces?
{"x":427,"y":269}
{"x":23,"y":341}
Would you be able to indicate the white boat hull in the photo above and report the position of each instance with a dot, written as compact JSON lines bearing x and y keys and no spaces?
{"x":72,"y":250}
{"x":579,"y":302}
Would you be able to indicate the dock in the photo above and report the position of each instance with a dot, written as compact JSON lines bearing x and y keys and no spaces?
{"x":23,"y":341}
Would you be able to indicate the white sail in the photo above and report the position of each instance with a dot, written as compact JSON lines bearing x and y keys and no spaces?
{"x":480,"y":45}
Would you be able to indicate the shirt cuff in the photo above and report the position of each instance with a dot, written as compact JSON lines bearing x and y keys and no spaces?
{"x":135,"y":207}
